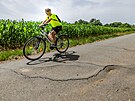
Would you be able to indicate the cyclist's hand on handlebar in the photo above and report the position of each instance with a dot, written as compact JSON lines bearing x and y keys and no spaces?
{"x":45,"y":24}
{"x":41,"y":25}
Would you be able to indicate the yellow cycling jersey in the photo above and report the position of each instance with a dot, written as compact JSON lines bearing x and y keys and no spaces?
{"x":54,"y":22}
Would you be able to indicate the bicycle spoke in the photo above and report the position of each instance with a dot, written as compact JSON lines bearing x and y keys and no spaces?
{"x":34,"y":48}
{"x":62,"y":43}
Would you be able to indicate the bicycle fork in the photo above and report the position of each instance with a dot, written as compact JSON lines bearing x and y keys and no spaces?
{"x":36,"y":46}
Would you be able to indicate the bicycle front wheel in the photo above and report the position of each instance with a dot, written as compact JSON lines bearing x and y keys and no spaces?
{"x":62,"y":43}
{"x":34,"y":48}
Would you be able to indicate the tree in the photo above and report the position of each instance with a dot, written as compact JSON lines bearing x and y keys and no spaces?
{"x":94,"y":21}
{"x":115,"y":24}
{"x":107,"y":25}
{"x":126,"y":25}
{"x":81,"y":22}
{"x":118,"y":24}
{"x":133,"y":25}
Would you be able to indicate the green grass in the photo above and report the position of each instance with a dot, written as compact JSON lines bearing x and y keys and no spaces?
{"x":15,"y":54}
{"x":10,"y":54}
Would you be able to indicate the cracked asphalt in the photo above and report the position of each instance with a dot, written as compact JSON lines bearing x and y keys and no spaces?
{"x":99,"y":71}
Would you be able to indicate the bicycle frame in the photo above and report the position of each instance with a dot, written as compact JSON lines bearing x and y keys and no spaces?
{"x":43,"y":33}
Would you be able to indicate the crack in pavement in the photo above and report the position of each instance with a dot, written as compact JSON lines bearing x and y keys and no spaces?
{"x":62,"y":80}
{"x":70,"y":79}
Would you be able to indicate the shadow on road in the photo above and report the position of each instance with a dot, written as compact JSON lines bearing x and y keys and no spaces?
{"x":58,"y":57}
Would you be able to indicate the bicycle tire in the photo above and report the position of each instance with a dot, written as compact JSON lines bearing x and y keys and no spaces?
{"x":60,"y":38}
{"x":35,"y":57}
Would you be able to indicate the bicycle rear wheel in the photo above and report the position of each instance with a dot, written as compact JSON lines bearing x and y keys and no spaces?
{"x":34,"y":48}
{"x":62,"y":43}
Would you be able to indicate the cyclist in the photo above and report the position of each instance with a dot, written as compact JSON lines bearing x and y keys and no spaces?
{"x":55,"y":23}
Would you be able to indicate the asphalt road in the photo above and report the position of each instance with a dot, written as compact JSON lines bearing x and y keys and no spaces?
{"x":100,"y":71}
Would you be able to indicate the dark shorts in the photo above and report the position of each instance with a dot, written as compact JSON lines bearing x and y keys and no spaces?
{"x":57,"y":29}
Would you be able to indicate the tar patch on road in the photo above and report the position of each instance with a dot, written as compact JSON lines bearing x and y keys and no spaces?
{"x":61,"y":72}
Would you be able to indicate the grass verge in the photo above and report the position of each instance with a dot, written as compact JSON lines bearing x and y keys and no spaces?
{"x":16,"y":54}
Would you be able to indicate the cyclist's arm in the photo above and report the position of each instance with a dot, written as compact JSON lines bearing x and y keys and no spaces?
{"x":48,"y":20}
{"x":45,"y":22}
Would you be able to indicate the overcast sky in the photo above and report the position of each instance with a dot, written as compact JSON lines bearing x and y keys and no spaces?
{"x":70,"y":10}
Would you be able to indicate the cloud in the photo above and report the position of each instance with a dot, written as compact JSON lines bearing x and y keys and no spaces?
{"x":83,"y":3}
{"x":14,"y":9}
{"x":70,"y":10}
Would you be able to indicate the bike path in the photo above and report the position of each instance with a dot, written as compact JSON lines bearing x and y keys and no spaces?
{"x":92,"y":72}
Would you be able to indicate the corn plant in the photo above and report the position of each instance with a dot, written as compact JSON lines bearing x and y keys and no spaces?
{"x":13,"y":34}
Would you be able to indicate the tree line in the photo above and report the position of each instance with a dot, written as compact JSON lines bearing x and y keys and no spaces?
{"x":97,"y":22}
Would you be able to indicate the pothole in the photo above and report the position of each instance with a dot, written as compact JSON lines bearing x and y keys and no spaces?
{"x":73,"y":71}
{"x":61,"y":71}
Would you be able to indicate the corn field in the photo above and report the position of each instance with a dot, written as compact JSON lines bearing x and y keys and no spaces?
{"x":13,"y":34}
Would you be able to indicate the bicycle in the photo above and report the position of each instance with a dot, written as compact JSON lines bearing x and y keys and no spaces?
{"x":35,"y":47}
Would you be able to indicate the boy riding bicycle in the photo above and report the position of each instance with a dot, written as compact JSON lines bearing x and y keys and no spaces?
{"x":55,"y":23}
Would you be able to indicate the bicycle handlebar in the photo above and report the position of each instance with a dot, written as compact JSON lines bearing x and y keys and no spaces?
{"x":42,"y":26}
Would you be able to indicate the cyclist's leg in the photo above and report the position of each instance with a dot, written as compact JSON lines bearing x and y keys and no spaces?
{"x":51,"y":36}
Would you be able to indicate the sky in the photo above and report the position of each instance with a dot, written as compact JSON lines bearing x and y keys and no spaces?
{"x":70,"y":10}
